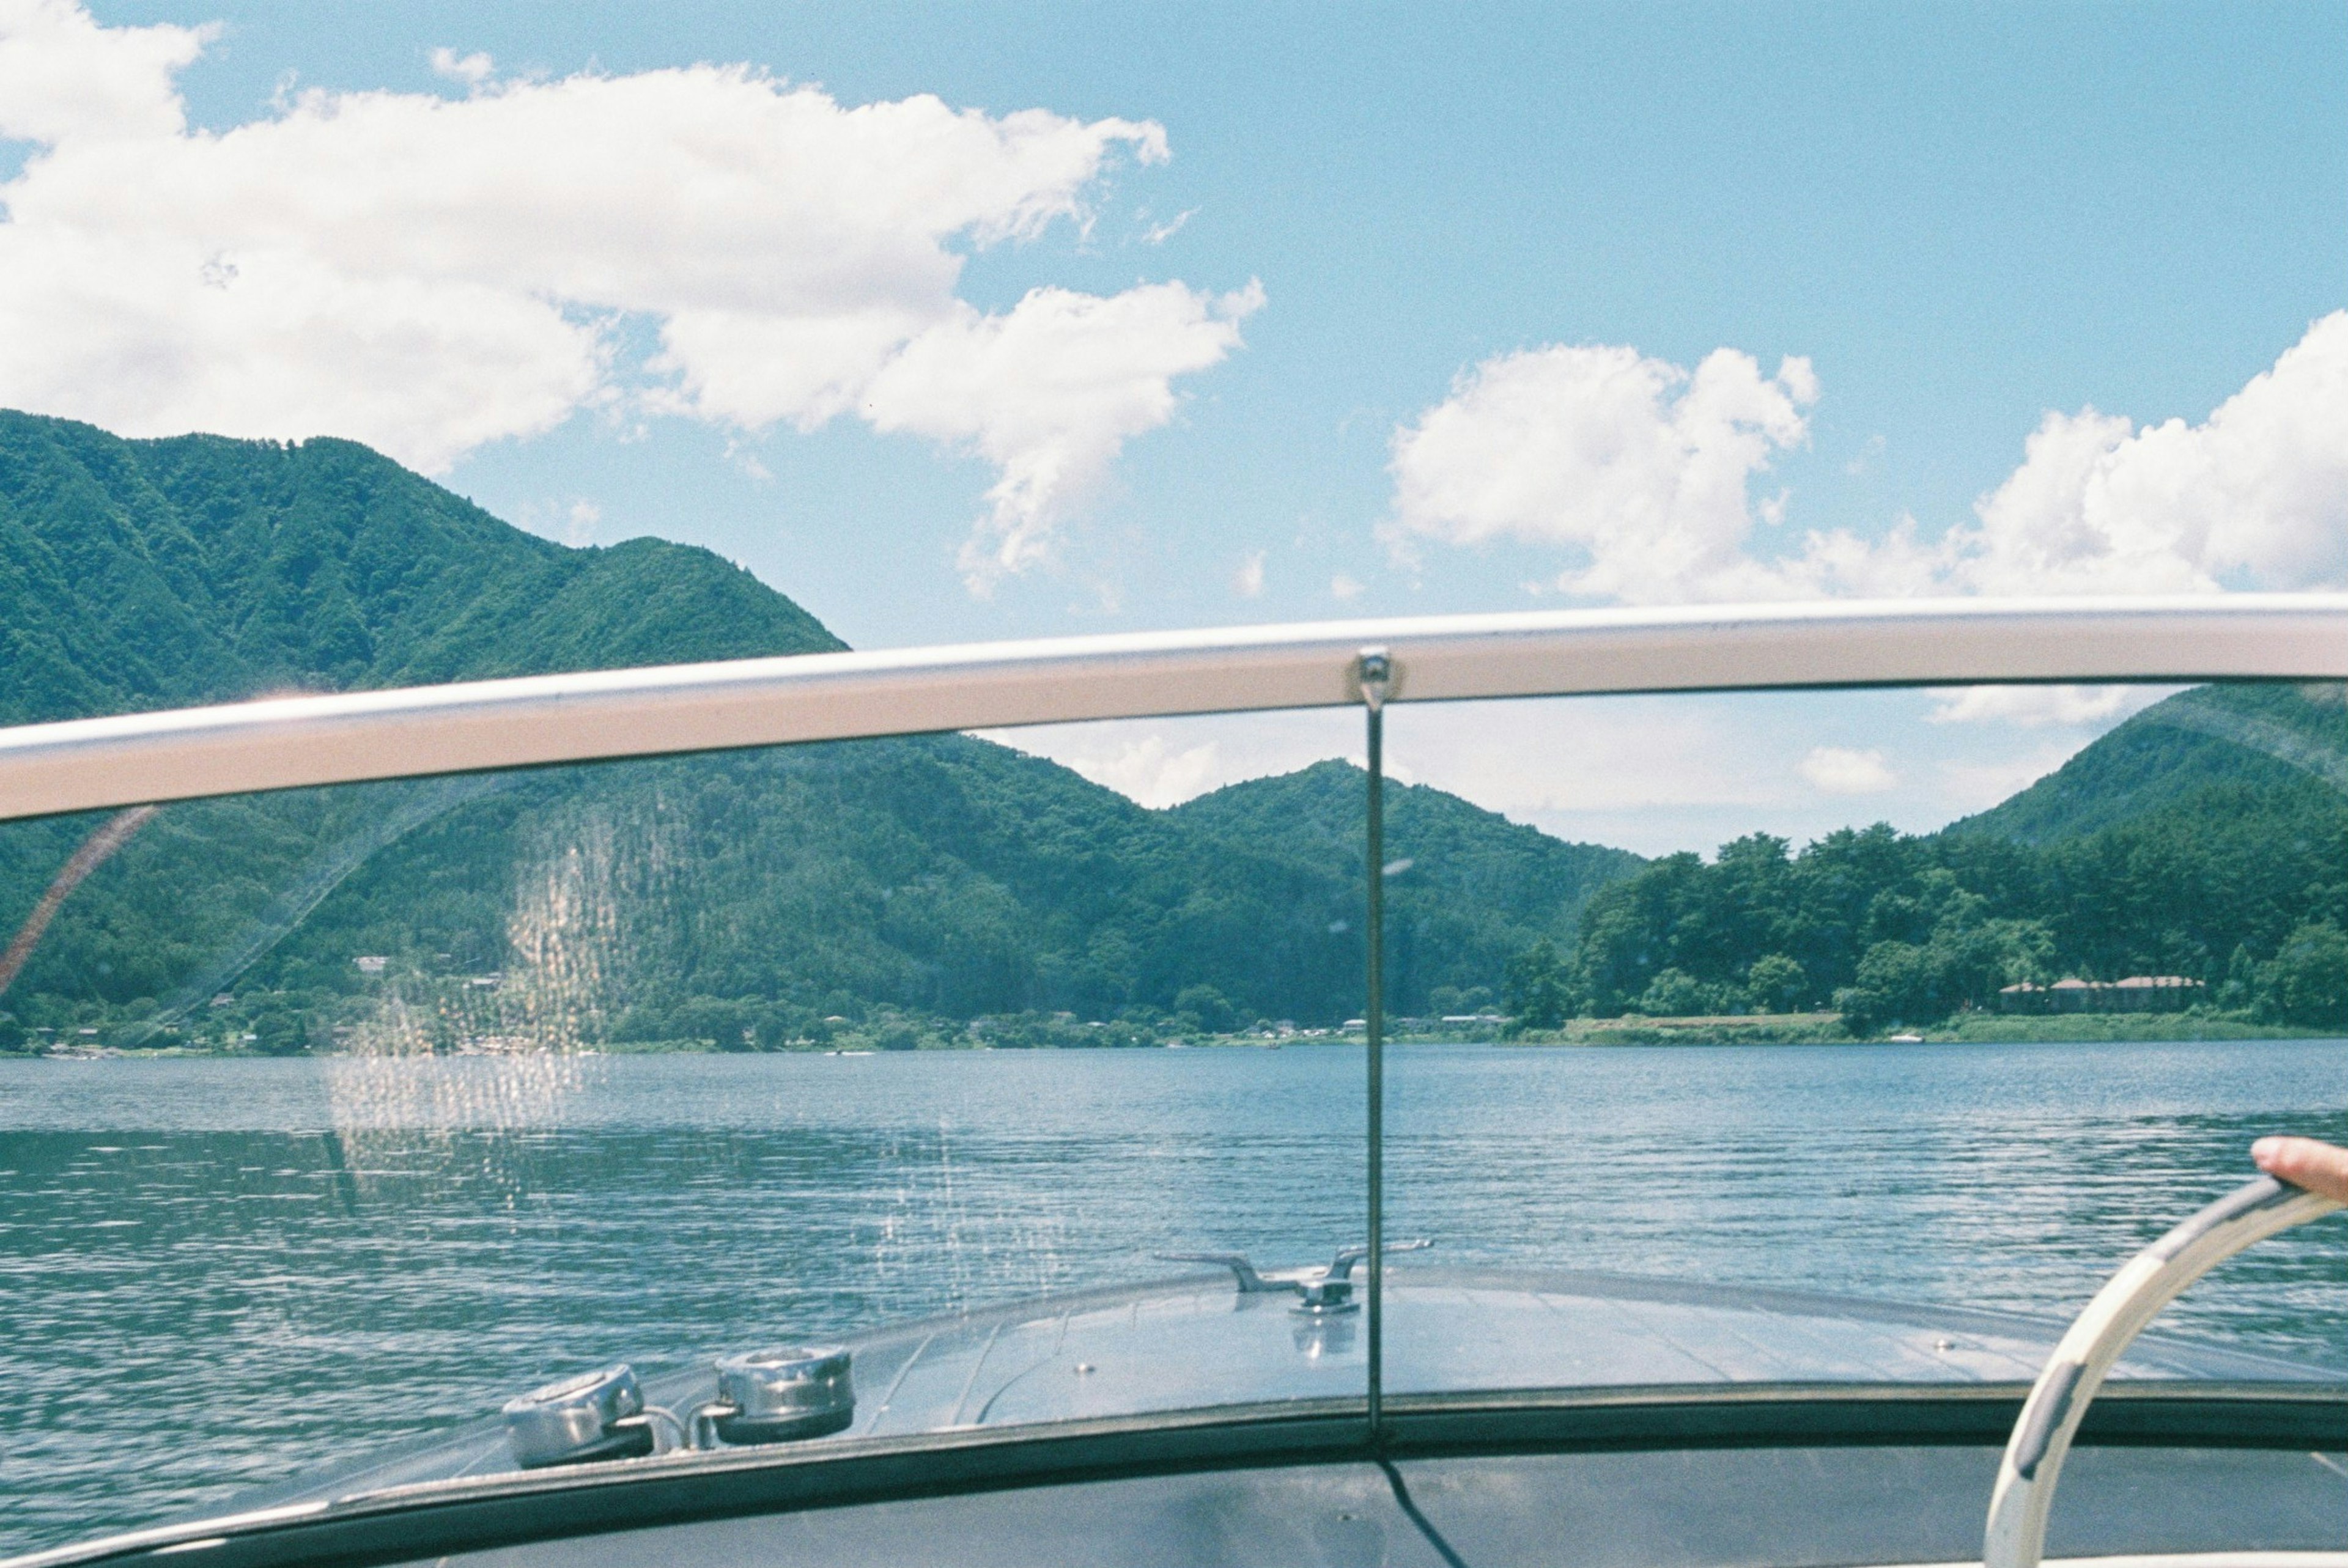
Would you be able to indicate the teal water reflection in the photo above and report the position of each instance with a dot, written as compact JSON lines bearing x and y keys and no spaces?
{"x":213,"y":1273}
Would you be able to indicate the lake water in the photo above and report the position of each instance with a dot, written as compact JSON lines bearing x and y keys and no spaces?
{"x":213,"y":1273}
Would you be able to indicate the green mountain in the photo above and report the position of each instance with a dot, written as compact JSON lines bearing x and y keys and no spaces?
{"x":2286,"y":743}
{"x":750,"y":895}
{"x":153,"y":574}
{"x":1464,"y":885}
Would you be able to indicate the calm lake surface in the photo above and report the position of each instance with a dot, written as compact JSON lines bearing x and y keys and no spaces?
{"x":215,"y":1273}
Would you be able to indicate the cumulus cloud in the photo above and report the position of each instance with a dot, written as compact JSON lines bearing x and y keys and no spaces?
{"x":429,"y":274}
{"x":1248,"y":580}
{"x":64,"y":78}
{"x":1837,"y":770}
{"x":1158,"y":233}
{"x":2043,"y":707}
{"x":1977,"y":783}
{"x":1639,"y":468}
{"x":2255,"y":495}
{"x":1048,"y":393}
{"x":1149,"y":768}
{"x":1644,"y":473}
{"x":470,"y":69}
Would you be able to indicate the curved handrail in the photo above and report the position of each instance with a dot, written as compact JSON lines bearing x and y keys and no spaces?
{"x":475,"y":727}
{"x":2130,"y":1300}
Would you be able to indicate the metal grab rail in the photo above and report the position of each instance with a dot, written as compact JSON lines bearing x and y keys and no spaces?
{"x":2130,"y":1301}
{"x":474,"y":726}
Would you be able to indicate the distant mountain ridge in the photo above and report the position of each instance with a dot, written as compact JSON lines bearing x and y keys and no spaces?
{"x":942,"y":876}
{"x":2285,"y":740}
{"x":1475,"y":882}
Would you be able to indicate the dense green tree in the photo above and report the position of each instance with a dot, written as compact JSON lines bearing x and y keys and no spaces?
{"x":727,"y":1024}
{"x":1776,"y":983}
{"x":1962,"y":963}
{"x":1675,"y":993}
{"x":1446,"y":1001}
{"x":1536,"y":990}
{"x":1205,"y":1008}
{"x":2306,"y":982}
{"x":280,"y":1030}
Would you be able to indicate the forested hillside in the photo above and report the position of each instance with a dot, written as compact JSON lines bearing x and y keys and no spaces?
{"x":153,"y":574}
{"x":2286,"y":743}
{"x":2206,"y":837}
{"x":746,"y":898}
{"x":1465,"y":887}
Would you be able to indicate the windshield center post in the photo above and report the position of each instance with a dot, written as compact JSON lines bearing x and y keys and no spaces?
{"x":1373,"y":674}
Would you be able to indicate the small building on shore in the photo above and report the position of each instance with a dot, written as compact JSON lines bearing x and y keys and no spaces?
{"x":2137,"y":993}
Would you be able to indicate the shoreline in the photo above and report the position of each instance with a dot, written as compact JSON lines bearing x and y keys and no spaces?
{"x":1825,"y":1029}
{"x":1794,"y":1028}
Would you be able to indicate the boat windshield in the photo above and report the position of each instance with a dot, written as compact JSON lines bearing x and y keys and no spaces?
{"x":875,"y":1086}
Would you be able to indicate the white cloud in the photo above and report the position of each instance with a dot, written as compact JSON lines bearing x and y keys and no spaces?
{"x":1158,"y":233}
{"x":1049,"y":393}
{"x":1248,"y":580}
{"x":1837,"y":770}
{"x":1163,"y":763}
{"x":470,"y":69}
{"x":580,"y":524}
{"x":1968,"y":784}
{"x":2042,"y":707}
{"x":1344,"y":587}
{"x":1641,"y":468}
{"x":2257,"y":495}
{"x":431,"y":274}
{"x":1643,"y":471}
{"x":574,"y":521}
{"x":1145,"y":770}
{"x":62,"y":78}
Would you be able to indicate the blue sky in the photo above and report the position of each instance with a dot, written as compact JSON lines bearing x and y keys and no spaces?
{"x":1961,"y":218}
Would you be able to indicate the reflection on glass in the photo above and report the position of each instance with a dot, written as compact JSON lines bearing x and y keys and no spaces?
{"x":381,"y":1105}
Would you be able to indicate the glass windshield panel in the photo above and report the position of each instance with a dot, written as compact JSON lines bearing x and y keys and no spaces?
{"x":1788,"y":1038}
{"x":1909,"y":1017}
{"x":333,"y":1120}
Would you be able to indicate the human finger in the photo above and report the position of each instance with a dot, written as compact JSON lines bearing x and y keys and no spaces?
{"x":2308,"y":1162}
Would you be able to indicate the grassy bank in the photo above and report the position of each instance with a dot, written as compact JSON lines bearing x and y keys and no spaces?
{"x":1723,"y":1029}
{"x":2085,"y":1027}
{"x":1970,"y":1029}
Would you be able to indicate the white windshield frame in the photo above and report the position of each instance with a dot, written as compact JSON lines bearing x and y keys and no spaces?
{"x":473,"y":726}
